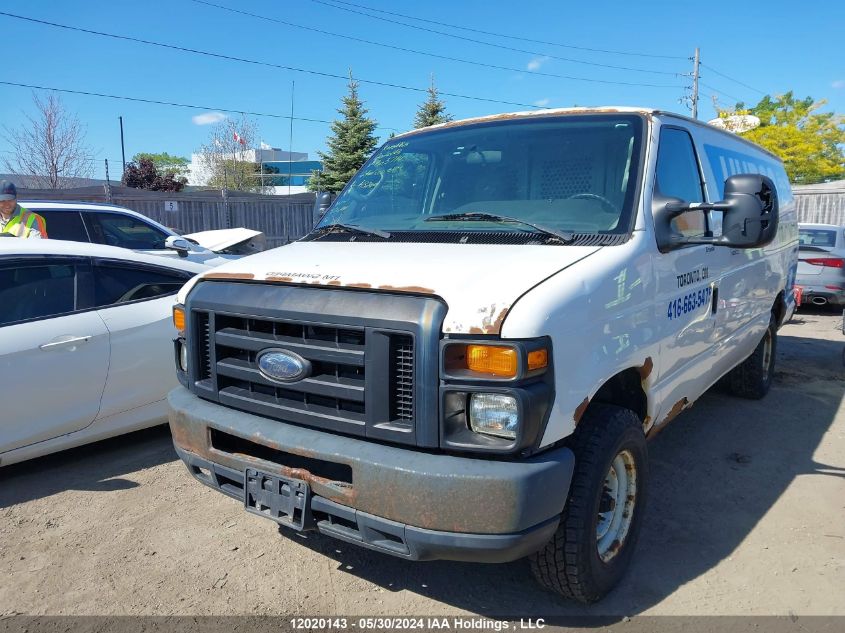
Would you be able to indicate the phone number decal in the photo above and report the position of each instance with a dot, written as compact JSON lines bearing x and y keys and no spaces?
{"x":688,"y":303}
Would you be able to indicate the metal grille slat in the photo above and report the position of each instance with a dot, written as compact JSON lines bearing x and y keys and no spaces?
{"x":321,"y":385}
{"x":288,"y":410}
{"x":257,"y":341}
{"x":402,"y":378}
{"x":204,"y":345}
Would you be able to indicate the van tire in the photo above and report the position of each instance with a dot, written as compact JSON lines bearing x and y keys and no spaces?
{"x":570,"y":564}
{"x":753,"y":377}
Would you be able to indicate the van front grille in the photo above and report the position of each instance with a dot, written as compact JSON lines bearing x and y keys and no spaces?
{"x":334,"y":396}
{"x":372,"y":357}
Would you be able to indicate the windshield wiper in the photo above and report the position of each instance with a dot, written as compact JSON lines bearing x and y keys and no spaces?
{"x":481,"y":216}
{"x":339,"y":227}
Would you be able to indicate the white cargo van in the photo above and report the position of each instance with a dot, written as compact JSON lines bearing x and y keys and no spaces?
{"x":464,"y":359}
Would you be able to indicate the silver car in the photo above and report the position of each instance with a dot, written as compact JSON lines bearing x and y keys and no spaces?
{"x":821,"y":264}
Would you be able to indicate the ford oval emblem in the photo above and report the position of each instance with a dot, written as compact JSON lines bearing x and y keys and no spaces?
{"x":280,"y":365}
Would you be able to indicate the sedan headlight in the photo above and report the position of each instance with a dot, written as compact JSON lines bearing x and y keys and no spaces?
{"x":494,"y":414}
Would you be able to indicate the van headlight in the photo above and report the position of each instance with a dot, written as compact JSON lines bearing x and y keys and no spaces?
{"x":494,"y":414}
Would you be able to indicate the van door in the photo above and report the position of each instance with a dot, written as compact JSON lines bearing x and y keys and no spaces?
{"x":686,"y":280}
{"x":749,"y":278}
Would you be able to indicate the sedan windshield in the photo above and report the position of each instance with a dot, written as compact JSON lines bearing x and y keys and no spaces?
{"x":540,"y":178}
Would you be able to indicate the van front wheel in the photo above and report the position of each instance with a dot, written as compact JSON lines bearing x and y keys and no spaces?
{"x":594,"y":542}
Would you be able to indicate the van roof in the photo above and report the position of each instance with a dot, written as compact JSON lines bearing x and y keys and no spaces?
{"x":587,"y":110}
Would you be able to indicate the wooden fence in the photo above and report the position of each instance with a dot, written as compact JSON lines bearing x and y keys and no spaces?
{"x":282,"y":219}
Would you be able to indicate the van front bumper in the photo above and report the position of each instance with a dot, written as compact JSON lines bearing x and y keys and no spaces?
{"x":401,"y":501}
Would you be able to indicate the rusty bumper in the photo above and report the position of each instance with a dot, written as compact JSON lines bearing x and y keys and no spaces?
{"x":452,"y":495}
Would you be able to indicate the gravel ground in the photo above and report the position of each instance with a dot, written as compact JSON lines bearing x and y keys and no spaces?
{"x":746,"y":516}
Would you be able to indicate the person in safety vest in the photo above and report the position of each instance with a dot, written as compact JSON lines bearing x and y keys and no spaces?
{"x":14,"y":219}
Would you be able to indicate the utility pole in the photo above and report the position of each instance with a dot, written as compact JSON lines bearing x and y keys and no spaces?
{"x":695,"y":64}
{"x":290,"y":139}
{"x":108,"y":183}
{"x":122,"y":150}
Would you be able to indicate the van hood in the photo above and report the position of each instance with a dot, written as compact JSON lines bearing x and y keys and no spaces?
{"x":479,"y":283}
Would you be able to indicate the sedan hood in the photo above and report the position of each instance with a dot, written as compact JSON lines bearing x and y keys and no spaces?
{"x":479,"y":283}
{"x":243,"y":241}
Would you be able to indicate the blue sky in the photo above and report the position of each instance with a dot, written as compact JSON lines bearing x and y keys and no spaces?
{"x":771,"y":47}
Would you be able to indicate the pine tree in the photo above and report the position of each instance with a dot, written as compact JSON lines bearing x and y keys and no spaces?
{"x":350,"y":145}
{"x":432,"y":111}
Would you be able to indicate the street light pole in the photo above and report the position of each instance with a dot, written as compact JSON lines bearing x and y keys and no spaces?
{"x":122,"y":149}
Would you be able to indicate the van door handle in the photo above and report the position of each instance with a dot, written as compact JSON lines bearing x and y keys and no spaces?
{"x":73,"y":341}
{"x":715,"y":299}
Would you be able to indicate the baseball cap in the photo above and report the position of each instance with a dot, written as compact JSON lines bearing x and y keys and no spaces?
{"x":8,"y":191}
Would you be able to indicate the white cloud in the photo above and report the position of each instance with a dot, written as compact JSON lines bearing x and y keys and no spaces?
{"x":534,"y":64}
{"x":542,"y":103}
{"x":207,"y":118}
{"x":838,"y":84}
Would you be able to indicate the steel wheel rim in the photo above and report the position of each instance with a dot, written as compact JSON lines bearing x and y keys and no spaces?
{"x":616,"y":506}
{"x":767,"y":351}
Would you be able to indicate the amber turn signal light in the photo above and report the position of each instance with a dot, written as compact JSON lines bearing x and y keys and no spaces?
{"x":493,"y":359}
{"x":538,"y":359}
{"x":179,"y":318}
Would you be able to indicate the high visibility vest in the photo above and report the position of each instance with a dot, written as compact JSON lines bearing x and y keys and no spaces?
{"x":23,"y":222}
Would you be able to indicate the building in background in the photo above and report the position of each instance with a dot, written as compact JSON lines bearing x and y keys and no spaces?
{"x":285,"y":172}
{"x":295,"y":174}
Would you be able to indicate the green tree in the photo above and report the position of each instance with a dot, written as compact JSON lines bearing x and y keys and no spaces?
{"x":350,"y":144}
{"x":432,"y":111}
{"x":164,"y":162}
{"x":143,"y":174}
{"x":810,"y":143}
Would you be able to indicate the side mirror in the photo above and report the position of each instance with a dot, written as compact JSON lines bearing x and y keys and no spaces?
{"x":178,"y":244}
{"x":321,"y":205}
{"x":750,"y":216}
{"x":751,"y":213}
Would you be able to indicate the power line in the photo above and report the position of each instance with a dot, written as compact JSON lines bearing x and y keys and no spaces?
{"x":720,"y":92}
{"x":154,"y":101}
{"x":257,"y":62}
{"x":494,"y":45}
{"x":172,"y":103}
{"x":512,"y":37}
{"x":737,"y":81}
{"x":426,"y":53}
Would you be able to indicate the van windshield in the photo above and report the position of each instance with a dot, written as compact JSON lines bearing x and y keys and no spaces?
{"x":569,"y":175}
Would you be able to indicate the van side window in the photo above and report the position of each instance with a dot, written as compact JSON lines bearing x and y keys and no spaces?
{"x":678,"y":177}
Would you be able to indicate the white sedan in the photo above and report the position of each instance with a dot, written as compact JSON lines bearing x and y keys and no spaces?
{"x":109,"y":224}
{"x":86,"y":346}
